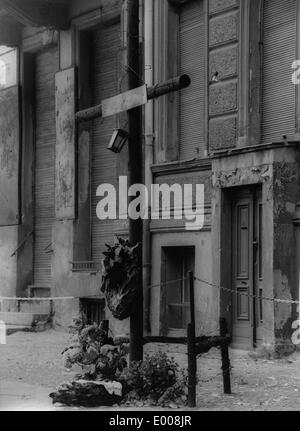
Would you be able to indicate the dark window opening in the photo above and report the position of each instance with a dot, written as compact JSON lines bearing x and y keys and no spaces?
{"x":93,"y":309}
{"x":177,"y":262}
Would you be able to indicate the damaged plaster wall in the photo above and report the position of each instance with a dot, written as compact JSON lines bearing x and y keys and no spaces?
{"x":276,"y":169}
{"x":286,"y":186}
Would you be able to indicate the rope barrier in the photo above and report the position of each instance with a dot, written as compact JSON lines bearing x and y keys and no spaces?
{"x":225,"y":289}
{"x":262,"y":298}
{"x":3,"y":298}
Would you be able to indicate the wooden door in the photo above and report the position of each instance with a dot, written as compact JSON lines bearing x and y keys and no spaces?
{"x":247,"y":267}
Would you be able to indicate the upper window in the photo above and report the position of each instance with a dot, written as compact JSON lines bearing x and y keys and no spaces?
{"x":8,"y":67}
{"x":192,"y":54}
{"x":279,"y":49}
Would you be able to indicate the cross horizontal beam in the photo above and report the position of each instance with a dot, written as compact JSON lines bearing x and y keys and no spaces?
{"x":117,"y":104}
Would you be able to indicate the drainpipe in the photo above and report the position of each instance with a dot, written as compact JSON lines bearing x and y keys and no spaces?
{"x":148,"y":156}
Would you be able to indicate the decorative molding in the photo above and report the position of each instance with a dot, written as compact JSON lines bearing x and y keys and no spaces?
{"x":254,"y":148}
{"x":182,"y":167}
{"x":40,"y":40}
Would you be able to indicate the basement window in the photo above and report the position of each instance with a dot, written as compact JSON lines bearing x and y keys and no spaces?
{"x":176,"y":264}
{"x":93,"y":309}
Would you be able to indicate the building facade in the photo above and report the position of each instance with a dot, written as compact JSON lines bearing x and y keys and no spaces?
{"x":235,"y":130}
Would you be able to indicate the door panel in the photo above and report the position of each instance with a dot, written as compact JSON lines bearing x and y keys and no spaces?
{"x":259,"y":268}
{"x":242,"y":277}
{"x":247,"y":307}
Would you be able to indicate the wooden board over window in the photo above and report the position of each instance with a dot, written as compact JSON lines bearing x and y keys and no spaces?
{"x":65,"y":144}
{"x":9,"y":156}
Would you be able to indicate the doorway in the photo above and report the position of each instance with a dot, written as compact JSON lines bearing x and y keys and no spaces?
{"x":176,"y":264}
{"x":247,"y":275}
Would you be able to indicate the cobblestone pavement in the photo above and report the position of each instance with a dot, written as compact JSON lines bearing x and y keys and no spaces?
{"x":31,"y":367}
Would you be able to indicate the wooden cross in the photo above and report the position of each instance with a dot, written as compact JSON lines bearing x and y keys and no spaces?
{"x":132,"y":99}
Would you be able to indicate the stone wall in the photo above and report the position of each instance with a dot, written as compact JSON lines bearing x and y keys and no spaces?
{"x":223,"y":73}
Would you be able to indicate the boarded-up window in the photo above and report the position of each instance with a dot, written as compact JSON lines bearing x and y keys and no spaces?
{"x":279,"y":53}
{"x":9,"y":156}
{"x":192,"y":42}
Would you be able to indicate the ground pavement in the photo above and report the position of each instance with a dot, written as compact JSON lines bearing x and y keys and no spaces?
{"x":31,"y":367}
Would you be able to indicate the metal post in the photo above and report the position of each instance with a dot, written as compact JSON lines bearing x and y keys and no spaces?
{"x":192,"y":358}
{"x":135,"y":170}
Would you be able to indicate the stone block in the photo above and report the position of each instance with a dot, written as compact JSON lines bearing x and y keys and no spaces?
{"x":216,"y":6}
{"x":222,"y":133}
{"x":225,"y":62}
{"x":223,"y":29}
{"x":222,"y":98}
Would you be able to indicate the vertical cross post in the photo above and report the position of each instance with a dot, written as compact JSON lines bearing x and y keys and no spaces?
{"x":135,"y":170}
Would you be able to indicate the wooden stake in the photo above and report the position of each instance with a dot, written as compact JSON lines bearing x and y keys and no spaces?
{"x":192,"y":358}
{"x":225,"y":358}
{"x":192,"y":367}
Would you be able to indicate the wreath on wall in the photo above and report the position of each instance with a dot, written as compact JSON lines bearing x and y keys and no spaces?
{"x":120,"y":277}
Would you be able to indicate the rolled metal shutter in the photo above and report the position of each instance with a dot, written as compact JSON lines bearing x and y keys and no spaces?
{"x":46,"y":65}
{"x":279,"y":93}
{"x":104,"y":162}
{"x":192,"y":42}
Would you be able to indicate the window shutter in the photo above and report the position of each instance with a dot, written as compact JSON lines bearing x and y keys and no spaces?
{"x":104,"y":162}
{"x":46,"y":66}
{"x":192,"y":42}
{"x":279,"y":93}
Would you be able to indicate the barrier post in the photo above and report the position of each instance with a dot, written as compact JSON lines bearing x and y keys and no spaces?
{"x":191,"y":344}
{"x":225,"y":358}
